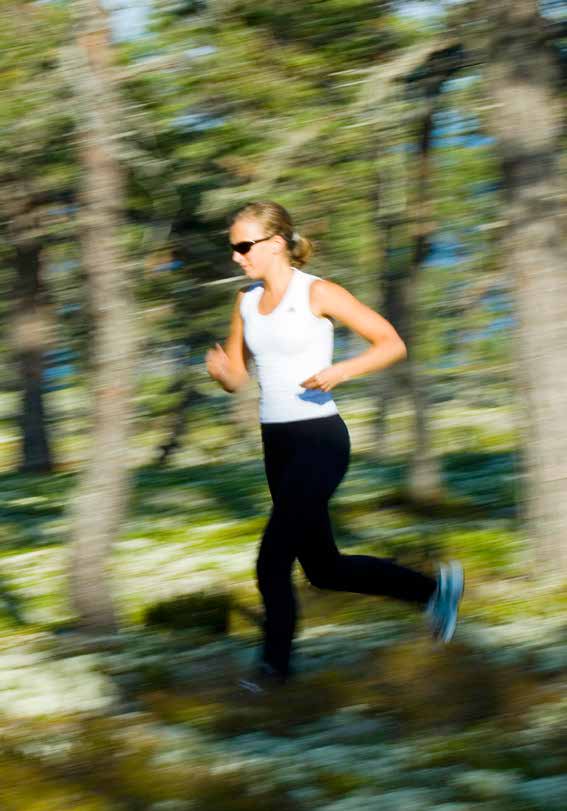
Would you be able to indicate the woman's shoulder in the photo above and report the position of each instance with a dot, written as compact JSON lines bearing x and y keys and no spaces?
{"x":324,"y":295}
{"x":315,"y":290}
{"x":313,"y":282}
{"x":309,"y":281}
{"x":248,"y":288}
{"x":246,"y":294}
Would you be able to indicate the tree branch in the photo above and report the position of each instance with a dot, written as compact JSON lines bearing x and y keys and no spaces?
{"x":554,"y":30}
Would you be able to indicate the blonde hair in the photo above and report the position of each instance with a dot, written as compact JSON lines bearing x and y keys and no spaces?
{"x":274,"y":219}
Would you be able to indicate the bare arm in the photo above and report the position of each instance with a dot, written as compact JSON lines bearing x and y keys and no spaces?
{"x":229,"y":366}
{"x":387,"y":348}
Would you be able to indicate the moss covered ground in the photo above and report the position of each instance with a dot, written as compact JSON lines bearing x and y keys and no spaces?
{"x":378,"y":716}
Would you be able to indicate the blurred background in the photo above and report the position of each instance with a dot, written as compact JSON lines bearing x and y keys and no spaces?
{"x":421,"y":147}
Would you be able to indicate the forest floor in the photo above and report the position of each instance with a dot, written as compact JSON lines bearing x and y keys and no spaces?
{"x":379,"y":717}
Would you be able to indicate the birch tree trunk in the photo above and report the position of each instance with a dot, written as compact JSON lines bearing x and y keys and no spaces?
{"x":100,"y":504}
{"x":524,"y":80}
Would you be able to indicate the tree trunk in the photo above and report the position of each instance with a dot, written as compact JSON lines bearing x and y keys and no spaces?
{"x":190,"y":396}
{"x":424,"y":475}
{"x":31,"y":337}
{"x":401,"y":308}
{"x":524,"y":79}
{"x":391,"y":308}
{"x":400,"y":291}
{"x":100,"y":505}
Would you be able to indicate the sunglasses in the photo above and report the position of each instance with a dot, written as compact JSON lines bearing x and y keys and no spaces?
{"x":244,"y":247}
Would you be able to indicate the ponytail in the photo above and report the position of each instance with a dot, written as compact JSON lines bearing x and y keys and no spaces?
{"x":300,"y":249}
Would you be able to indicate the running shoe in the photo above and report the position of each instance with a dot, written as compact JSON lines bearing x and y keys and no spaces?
{"x":443,"y":607}
{"x":264,"y":679}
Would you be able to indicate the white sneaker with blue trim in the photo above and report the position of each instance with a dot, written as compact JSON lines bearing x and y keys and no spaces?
{"x":443,"y":607}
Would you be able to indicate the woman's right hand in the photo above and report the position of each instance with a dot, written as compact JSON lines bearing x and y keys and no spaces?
{"x":218,"y":364}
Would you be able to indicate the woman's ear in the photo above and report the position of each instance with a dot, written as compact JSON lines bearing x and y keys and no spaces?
{"x":279,"y":244}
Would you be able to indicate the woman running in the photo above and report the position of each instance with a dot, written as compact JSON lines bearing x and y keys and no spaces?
{"x":283,"y":319}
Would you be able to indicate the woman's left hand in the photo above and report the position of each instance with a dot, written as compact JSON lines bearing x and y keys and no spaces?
{"x":326,"y":379}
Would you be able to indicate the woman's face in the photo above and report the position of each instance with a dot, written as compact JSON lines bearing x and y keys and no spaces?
{"x":260,"y":256}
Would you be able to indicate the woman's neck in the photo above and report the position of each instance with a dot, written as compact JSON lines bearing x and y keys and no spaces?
{"x":277,"y":278}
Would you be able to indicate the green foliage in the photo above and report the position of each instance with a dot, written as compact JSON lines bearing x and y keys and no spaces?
{"x":395,"y":685}
{"x":208,"y":612}
{"x":490,"y":479}
{"x":490,"y":551}
{"x":516,"y":605}
{"x":238,"y":792}
{"x":268,"y":99}
{"x":280,"y":713}
{"x":28,"y":787}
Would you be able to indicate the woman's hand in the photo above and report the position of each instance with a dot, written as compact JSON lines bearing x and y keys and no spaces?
{"x":326,"y":379}
{"x":218,"y":364}
{"x":333,"y":301}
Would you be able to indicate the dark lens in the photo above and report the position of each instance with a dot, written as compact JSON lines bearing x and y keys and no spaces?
{"x":241,"y":247}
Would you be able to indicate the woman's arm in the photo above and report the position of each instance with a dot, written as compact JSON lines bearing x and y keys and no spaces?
{"x":387,"y":348}
{"x":228,"y":366}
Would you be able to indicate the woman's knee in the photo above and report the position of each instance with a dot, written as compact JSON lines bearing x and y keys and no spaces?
{"x":273,"y":573}
{"x":322,"y":576}
{"x":263,"y":573}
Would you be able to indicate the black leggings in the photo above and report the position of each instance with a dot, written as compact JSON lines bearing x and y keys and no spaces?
{"x":305,"y":462}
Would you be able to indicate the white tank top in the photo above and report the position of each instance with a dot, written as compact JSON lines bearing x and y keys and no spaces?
{"x":288,"y":345}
